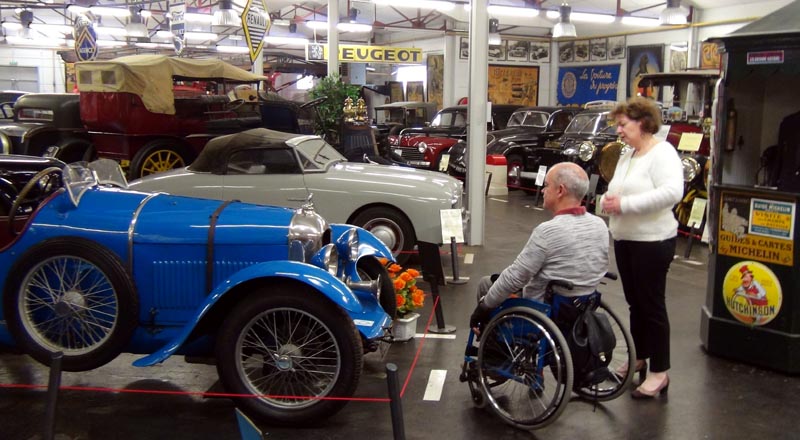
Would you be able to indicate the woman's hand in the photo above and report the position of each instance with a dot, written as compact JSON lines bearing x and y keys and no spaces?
{"x":611,"y":204}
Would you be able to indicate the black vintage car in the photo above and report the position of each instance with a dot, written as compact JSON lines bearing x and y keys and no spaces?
{"x":528,"y":130}
{"x":591,"y":141}
{"x":391,"y":118}
{"x":7,"y":100}
{"x":43,"y":120}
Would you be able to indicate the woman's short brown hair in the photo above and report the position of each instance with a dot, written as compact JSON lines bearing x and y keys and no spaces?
{"x":640,"y":109}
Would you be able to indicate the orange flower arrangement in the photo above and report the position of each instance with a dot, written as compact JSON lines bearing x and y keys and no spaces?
{"x":408,"y":296}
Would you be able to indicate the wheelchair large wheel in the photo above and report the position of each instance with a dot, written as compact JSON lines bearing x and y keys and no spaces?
{"x":525,"y":368}
{"x":615,"y":385}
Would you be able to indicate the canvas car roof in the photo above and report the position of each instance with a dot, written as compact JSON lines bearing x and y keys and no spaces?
{"x":214,"y":157}
{"x":401,"y":104}
{"x":151,"y":76}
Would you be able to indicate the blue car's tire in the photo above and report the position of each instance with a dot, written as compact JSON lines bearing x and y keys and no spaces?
{"x":291,"y":346}
{"x":370,"y":268}
{"x":74,"y":296}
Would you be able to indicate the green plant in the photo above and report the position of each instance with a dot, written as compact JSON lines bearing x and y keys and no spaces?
{"x":331,"y":111}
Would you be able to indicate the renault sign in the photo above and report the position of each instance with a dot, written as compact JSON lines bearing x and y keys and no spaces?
{"x":256,"y":24}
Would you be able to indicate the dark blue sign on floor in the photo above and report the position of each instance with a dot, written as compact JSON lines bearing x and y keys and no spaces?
{"x":581,"y":84}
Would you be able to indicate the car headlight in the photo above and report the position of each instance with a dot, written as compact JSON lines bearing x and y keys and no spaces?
{"x":422,"y":146}
{"x":690,"y":168}
{"x":5,"y":144}
{"x":586,"y":151}
{"x":328,"y":259}
{"x":308,"y":232}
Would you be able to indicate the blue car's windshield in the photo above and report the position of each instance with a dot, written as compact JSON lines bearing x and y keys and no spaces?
{"x":80,"y":176}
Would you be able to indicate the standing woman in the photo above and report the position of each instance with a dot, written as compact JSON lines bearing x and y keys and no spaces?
{"x":647,"y":183}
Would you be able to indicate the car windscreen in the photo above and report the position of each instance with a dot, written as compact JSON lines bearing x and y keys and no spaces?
{"x":316,"y":154}
{"x":528,"y":119}
{"x":590,"y":123}
{"x":389,"y":116}
{"x":450,"y":119}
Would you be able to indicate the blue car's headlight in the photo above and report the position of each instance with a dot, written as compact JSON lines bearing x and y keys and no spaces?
{"x":328,"y":259}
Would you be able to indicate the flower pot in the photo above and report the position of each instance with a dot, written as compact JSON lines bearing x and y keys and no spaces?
{"x":405,"y":328}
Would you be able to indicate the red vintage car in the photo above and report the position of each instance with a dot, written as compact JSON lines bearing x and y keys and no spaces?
{"x":154,"y":113}
{"x":423,"y":147}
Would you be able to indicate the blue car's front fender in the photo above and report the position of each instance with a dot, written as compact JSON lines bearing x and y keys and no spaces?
{"x":368,"y":243}
{"x":313,"y":276}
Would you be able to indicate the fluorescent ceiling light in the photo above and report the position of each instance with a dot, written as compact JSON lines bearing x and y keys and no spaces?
{"x":354,"y":27}
{"x":111,"y":12}
{"x":286,"y":40}
{"x":639,"y":21}
{"x":200,"y":36}
{"x":154,"y":45}
{"x":592,"y":18}
{"x":59,"y":28}
{"x":233,"y":49}
{"x":235,"y":37}
{"x":114,"y":32}
{"x":281,"y":22}
{"x":512,"y":11}
{"x":164,"y":34}
{"x":111,"y":43}
{"x":424,"y":4}
{"x":136,"y":29}
{"x":75,"y":9}
{"x":144,"y":13}
{"x":39,"y":42}
{"x":342,"y":27}
{"x":198,"y":18}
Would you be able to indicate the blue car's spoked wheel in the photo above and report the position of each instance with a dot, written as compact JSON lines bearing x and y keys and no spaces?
{"x":73,"y":296}
{"x":289,"y":345}
{"x":525,"y":368}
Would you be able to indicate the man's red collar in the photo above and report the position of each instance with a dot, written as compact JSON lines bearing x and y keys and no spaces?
{"x":578,"y":210}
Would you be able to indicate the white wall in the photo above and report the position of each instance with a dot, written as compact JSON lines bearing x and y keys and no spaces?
{"x":49,"y":64}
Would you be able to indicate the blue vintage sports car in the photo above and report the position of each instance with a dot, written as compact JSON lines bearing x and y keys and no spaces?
{"x":284,"y":301}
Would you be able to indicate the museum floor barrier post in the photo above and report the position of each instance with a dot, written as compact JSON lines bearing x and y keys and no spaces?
{"x":52,"y":395}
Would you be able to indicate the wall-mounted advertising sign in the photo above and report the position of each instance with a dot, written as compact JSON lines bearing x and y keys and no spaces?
{"x":581,"y":84}
{"x":351,"y":53}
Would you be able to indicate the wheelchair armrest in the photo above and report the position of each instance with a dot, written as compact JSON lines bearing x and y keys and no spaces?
{"x":611,"y":276}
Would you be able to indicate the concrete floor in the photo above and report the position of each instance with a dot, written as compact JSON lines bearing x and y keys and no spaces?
{"x":709,"y":397}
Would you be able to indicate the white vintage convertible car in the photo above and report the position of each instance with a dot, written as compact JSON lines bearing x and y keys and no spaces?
{"x":400,"y":205}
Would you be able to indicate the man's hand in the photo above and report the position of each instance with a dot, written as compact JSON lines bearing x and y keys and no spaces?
{"x":479,"y":317}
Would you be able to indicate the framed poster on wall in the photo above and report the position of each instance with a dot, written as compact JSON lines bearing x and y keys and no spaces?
{"x":514,"y":85}
{"x":396,"y":92}
{"x":566,"y":52}
{"x":616,"y":48}
{"x":463,"y":50}
{"x":518,"y":50}
{"x":644,"y":59}
{"x":598,"y":50}
{"x":581,"y":50}
{"x":415,"y":91}
{"x":436,"y":80}
{"x":581,"y":84}
{"x":497,"y":52}
{"x":709,"y":56}
{"x":540,"y":52}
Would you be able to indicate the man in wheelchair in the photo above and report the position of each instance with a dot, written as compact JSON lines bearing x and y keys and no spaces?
{"x":572,"y":246}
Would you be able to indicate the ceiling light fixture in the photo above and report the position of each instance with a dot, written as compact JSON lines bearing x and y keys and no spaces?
{"x":25,"y":19}
{"x":225,"y":15}
{"x":286,"y":40}
{"x":233,"y":49}
{"x":136,"y":27}
{"x":564,"y":29}
{"x":509,"y":11}
{"x":424,"y":4}
{"x":587,"y":17}
{"x":343,"y":27}
{"x":673,"y":14}
{"x":494,"y":33}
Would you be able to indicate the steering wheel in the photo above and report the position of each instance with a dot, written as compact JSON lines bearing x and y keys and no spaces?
{"x":24,"y":193}
{"x":235,"y":104}
{"x":314,"y":102}
{"x":8,"y":109}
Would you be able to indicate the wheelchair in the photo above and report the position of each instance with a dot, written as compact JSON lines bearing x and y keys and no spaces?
{"x":522,"y":366}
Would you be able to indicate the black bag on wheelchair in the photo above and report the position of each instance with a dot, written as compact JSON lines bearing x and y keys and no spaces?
{"x":590,"y":338}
